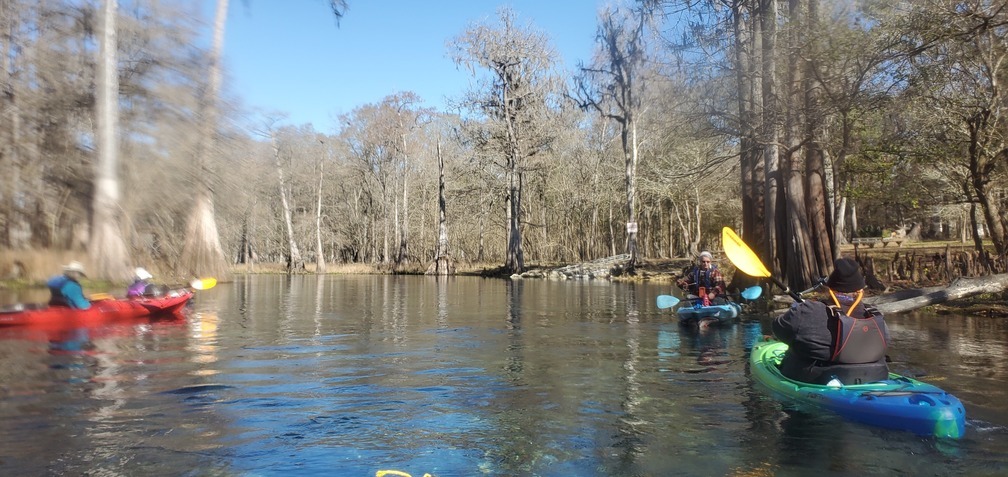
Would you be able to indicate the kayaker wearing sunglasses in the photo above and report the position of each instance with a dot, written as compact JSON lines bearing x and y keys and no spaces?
{"x":704,"y":280}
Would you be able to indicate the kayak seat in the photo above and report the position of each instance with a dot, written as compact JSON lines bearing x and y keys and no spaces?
{"x":819,"y":372}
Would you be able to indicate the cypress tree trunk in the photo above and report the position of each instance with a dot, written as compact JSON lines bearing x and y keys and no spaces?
{"x":107,"y":249}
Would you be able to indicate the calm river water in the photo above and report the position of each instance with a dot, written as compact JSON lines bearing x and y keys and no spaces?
{"x":350,"y":375}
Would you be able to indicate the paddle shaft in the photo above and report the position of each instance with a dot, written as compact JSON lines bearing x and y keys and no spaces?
{"x":795,"y":295}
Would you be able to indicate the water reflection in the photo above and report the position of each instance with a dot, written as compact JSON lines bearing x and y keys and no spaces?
{"x":460,"y":376}
{"x":203,"y":347}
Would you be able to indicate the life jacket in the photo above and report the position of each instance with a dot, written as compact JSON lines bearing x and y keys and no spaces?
{"x":55,"y":285}
{"x":137,"y":288}
{"x":702,"y":279}
{"x":857,"y":340}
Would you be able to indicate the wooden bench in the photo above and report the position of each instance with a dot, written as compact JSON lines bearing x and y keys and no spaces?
{"x":872,"y":241}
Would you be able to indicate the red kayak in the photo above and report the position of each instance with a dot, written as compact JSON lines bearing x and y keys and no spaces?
{"x":101,"y":311}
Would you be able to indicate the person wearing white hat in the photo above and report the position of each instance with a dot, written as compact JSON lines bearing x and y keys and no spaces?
{"x":65,"y":289}
{"x":140,"y":283}
{"x":704,"y":280}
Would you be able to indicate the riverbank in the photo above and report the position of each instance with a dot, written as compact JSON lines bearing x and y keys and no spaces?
{"x":30,"y":269}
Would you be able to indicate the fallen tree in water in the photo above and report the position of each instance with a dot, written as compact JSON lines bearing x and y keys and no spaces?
{"x":911,"y":299}
{"x":906,"y":300}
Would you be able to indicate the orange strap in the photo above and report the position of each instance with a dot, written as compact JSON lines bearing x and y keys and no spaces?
{"x":860,"y":295}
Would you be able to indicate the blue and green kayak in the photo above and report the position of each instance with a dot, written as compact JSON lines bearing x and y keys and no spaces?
{"x":897,"y":403}
{"x":723,"y":313}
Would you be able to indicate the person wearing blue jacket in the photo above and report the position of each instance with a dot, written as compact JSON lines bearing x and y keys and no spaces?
{"x":65,"y":289}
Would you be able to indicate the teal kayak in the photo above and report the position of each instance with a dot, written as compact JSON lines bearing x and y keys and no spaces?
{"x":896,"y":403}
{"x":723,"y":313}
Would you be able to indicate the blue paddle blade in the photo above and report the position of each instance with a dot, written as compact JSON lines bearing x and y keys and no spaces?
{"x":667,"y":301}
{"x":752,"y":292}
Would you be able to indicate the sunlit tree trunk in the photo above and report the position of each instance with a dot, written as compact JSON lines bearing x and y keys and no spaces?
{"x":630,"y":151}
{"x":982,"y":165}
{"x":320,"y":262}
{"x":515,"y":261}
{"x":817,"y":204}
{"x":770,"y":130}
{"x":202,"y":253}
{"x":795,"y":252}
{"x":294,"y":260}
{"x":10,"y":210}
{"x":108,"y":252}
{"x":749,"y":151}
{"x":613,"y":86}
{"x":403,"y":252}
{"x":442,"y":243}
{"x":443,"y":262}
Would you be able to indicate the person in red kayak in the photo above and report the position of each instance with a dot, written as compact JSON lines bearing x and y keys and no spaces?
{"x":65,"y":289}
{"x":837,"y":341}
{"x":141,"y":283}
{"x":704,"y":280}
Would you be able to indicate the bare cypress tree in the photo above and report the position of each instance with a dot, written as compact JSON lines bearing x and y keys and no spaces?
{"x":294,"y":259}
{"x":612,"y":87}
{"x":202,"y":253}
{"x":515,"y":101}
{"x":443,"y":263}
{"x":107,"y":249}
{"x":320,"y":263}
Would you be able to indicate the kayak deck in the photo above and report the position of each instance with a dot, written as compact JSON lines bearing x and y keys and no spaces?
{"x":712,"y":314}
{"x":899,"y":402}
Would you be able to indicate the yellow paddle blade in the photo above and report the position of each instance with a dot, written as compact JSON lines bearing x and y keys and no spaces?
{"x":101,"y":296}
{"x":741,"y":255}
{"x":203,"y":283}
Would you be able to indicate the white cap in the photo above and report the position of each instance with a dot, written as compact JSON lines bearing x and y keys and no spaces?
{"x":142,"y":274}
{"x":706,"y":254}
{"x":74,"y":266}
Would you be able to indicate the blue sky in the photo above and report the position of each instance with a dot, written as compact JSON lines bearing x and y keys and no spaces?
{"x":290,"y":57}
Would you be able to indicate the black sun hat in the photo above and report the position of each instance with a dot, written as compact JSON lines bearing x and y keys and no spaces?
{"x":846,"y":276}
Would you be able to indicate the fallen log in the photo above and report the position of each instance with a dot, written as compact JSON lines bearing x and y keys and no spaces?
{"x":600,"y":269}
{"x":906,"y":300}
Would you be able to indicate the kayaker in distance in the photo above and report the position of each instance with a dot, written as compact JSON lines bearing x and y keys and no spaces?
{"x":65,"y":289}
{"x":141,"y":284}
{"x":839,"y":338}
{"x":704,"y":280}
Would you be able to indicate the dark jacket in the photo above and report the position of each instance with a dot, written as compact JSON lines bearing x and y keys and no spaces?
{"x":823,"y":342}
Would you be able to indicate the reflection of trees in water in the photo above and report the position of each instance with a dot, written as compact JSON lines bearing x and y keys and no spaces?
{"x":629,"y":425}
{"x":964,"y":355}
{"x":394,"y":317}
{"x":523,"y":444}
{"x":515,"y":361}
{"x":441,"y":284}
{"x":100,"y":385}
{"x":203,"y":345}
{"x":976,"y":345}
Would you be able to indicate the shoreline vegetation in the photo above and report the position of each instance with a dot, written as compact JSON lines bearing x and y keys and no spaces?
{"x":30,"y":269}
